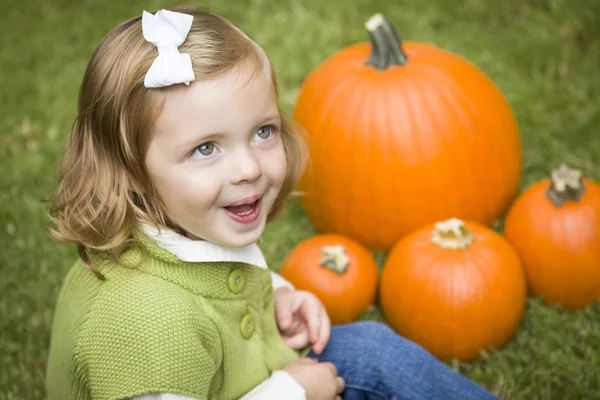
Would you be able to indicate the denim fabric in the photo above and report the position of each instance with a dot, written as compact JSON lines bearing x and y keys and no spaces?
{"x":378,"y":364}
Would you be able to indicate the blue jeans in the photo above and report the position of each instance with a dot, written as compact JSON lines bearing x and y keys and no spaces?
{"x":378,"y":364}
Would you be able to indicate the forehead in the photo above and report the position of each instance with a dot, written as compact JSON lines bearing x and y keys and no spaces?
{"x":236,"y":97}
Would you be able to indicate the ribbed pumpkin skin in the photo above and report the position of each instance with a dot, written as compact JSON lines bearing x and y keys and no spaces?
{"x":343,"y":296}
{"x":559,"y":246}
{"x":396,"y":149}
{"x":454,"y":302}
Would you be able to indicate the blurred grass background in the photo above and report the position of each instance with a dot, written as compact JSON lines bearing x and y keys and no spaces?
{"x":543,"y":54}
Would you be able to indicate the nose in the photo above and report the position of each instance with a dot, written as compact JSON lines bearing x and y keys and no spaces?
{"x":244,"y":167}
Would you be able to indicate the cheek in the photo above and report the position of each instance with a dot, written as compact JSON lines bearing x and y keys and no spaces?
{"x":183,"y":190}
{"x":278,"y":166}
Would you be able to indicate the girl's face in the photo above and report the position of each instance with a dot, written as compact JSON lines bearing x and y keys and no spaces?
{"x":216,"y":157}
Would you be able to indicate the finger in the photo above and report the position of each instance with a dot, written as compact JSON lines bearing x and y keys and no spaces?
{"x":310,"y":312}
{"x":298,"y":328}
{"x":295,"y":327}
{"x":284,"y":312}
{"x":324,"y":333}
{"x":340,"y":384}
{"x":298,"y":341}
{"x":330,"y":367}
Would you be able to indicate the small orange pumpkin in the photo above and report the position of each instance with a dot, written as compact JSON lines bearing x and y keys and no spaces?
{"x":555,"y":227}
{"x":455,"y":289}
{"x":402,"y":135}
{"x":338,"y":270}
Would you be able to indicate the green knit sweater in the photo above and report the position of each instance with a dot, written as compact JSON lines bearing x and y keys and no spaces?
{"x":204,"y":330}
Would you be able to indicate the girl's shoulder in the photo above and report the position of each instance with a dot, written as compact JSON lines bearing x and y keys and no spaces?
{"x":115,"y":327}
{"x":127,"y":296}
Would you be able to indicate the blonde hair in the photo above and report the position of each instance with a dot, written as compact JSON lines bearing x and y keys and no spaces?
{"x":104,"y":189}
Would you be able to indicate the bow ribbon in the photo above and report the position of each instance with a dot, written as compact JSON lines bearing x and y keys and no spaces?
{"x":167,"y":31}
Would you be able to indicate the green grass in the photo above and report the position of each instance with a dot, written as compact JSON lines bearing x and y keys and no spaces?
{"x":543,"y":54}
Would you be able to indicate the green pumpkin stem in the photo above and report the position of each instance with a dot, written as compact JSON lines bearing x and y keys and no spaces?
{"x":386,"y":45}
{"x":566,"y":184}
{"x":335,"y":259}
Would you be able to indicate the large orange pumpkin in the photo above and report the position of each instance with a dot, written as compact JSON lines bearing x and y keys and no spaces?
{"x":401,"y":136}
{"x":338,"y":270}
{"x":555,"y":227}
{"x":456,"y":288}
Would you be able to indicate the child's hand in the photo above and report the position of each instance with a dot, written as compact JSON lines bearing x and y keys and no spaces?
{"x":319,"y":379}
{"x":302,"y":319}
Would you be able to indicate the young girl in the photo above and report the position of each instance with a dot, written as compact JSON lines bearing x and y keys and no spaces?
{"x":178,"y":158}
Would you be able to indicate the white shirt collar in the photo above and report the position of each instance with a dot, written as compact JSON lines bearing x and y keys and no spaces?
{"x":202,"y":251}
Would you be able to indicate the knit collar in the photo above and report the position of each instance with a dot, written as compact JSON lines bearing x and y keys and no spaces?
{"x":203,"y":251}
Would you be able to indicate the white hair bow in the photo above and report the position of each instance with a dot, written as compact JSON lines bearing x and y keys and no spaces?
{"x":167,"y":31}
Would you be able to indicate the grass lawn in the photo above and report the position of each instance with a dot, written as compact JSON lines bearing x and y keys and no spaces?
{"x":543,"y":54}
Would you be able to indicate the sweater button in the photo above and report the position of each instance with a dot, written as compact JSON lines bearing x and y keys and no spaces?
{"x":236,"y":281}
{"x":247,"y":326}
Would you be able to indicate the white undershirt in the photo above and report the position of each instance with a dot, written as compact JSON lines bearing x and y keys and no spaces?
{"x":280,"y":385}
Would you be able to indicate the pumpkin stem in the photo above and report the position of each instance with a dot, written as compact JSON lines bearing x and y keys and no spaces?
{"x":566,"y":185}
{"x":334,"y":258}
{"x":385,"y":43}
{"x":452,"y":234}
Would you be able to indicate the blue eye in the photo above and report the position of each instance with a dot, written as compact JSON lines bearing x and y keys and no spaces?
{"x":204,"y":150}
{"x":265,"y":132}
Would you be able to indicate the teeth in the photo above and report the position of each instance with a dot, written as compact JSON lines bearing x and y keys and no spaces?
{"x":249,"y":211}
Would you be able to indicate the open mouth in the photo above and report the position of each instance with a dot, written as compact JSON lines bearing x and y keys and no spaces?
{"x":243,"y":209}
{"x":247,"y":212}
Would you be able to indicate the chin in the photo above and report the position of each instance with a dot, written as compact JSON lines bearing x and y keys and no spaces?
{"x":243,"y":239}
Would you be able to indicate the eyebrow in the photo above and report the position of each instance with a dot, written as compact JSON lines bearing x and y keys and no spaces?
{"x":271,"y":117}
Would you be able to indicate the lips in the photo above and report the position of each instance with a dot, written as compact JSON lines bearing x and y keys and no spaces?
{"x":247,"y":200}
{"x":245,"y":211}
